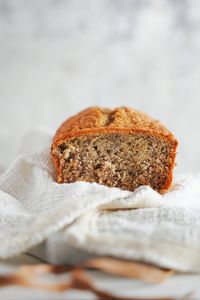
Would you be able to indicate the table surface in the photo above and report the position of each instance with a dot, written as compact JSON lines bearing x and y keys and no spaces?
{"x":178,"y":285}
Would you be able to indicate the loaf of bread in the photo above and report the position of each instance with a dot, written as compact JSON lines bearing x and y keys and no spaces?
{"x":120,"y":148}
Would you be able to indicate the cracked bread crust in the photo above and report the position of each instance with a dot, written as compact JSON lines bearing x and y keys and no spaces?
{"x":97,"y":119}
{"x":119,"y":124}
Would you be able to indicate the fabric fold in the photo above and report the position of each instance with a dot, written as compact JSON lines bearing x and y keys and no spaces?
{"x":143,"y":225}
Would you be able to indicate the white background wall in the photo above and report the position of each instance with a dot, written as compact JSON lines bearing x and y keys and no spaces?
{"x":59,"y":56}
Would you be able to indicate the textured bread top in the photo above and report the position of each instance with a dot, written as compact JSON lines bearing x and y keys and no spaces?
{"x":102,"y":120}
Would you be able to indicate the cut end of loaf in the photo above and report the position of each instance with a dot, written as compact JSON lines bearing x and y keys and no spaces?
{"x":126,"y":161}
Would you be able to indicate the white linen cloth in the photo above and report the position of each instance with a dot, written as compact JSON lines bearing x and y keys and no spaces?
{"x":142,"y":225}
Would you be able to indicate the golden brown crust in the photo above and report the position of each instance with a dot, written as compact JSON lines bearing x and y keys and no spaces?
{"x":96,"y":120}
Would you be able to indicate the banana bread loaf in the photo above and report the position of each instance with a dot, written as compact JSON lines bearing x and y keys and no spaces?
{"x":119,"y":148}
